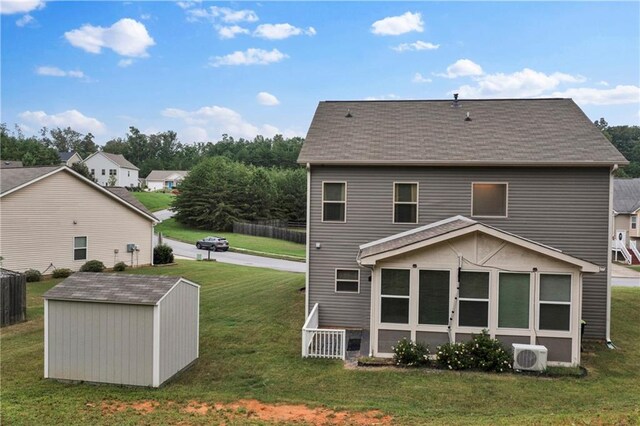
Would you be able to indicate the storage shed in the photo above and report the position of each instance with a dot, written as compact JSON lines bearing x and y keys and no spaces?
{"x":119,"y":328}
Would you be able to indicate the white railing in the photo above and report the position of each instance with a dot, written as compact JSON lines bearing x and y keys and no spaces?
{"x":634,"y":248}
{"x":322,"y":342}
{"x":618,"y":247}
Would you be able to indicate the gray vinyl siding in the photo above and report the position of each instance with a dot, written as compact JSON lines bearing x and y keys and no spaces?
{"x":100,"y":342}
{"x":566,"y":208}
{"x":178,"y":329}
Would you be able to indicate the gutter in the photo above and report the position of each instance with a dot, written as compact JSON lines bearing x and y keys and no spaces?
{"x":609,"y":343}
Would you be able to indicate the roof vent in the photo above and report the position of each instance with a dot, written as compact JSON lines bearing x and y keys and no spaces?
{"x":455,"y":103}
{"x":348,"y":114}
{"x":468,"y":117}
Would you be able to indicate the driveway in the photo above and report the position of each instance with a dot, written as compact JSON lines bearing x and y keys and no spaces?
{"x":624,"y":277}
{"x":190,"y":251}
{"x":164,"y":214}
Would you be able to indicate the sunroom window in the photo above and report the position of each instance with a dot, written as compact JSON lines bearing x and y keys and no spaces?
{"x":405,"y":203}
{"x":433,"y":298}
{"x":473,"y":306}
{"x":489,"y":200}
{"x":555,"y":302}
{"x":394,"y":303}
{"x":513,"y":300}
{"x":334,"y":201}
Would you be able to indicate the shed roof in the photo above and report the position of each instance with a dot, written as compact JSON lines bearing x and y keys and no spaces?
{"x":501,"y":132}
{"x":113,"y":288}
{"x":163,"y":174}
{"x":626,"y":195}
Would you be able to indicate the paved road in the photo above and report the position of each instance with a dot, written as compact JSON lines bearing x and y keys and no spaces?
{"x":623,"y":276}
{"x":163,"y":214}
{"x":190,"y":251}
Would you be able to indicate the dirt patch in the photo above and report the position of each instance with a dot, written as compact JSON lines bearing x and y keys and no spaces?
{"x":142,"y":407}
{"x":195,"y":407}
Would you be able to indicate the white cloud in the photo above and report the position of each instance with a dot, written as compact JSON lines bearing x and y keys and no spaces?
{"x":194,"y":134}
{"x":146,"y":16}
{"x":525,"y":83}
{"x":25,"y":20}
{"x":8,"y":7}
{"x":265,"y":98}
{"x":396,"y":25}
{"x":462,"y":68}
{"x":603,"y":83}
{"x":127,"y":37}
{"x":231,"y":31}
{"x":419,"y":78}
{"x":250,"y":56}
{"x":57,"y":72}
{"x":124,"y":63}
{"x":215,"y":120}
{"x":418,"y":45}
{"x":589,"y":96}
{"x":72,"y":118}
{"x":186,"y":4}
{"x":281,"y":31}
{"x":221,"y":14}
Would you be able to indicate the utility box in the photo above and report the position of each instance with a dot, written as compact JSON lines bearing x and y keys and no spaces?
{"x":119,"y":328}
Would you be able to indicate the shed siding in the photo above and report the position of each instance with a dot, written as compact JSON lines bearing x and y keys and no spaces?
{"x":37,"y":229}
{"x":100,"y":342}
{"x":178,"y":329}
{"x":566,"y":208}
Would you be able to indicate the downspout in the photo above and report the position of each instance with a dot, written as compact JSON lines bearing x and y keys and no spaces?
{"x":306,"y":279}
{"x":609,"y":343}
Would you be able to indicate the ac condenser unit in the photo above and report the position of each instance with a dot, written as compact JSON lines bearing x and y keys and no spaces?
{"x":529,"y":357}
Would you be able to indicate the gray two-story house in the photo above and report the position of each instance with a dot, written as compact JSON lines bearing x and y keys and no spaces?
{"x":434,"y":220}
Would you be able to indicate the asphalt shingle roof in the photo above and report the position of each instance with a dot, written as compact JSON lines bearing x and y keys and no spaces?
{"x":120,"y":160}
{"x":501,"y":132}
{"x":163,"y":174}
{"x":626,"y":195}
{"x":112,"y":288}
{"x":128,"y":197}
{"x":14,"y":177}
{"x":6,"y":164}
{"x":64,"y":156}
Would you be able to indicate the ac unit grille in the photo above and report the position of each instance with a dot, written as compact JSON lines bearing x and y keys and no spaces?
{"x":527,"y":358}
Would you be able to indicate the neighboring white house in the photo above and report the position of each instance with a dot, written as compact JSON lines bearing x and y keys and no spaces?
{"x":53,"y":217}
{"x":164,"y":179}
{"x":69,"y":158}
{"x":103,"y":165}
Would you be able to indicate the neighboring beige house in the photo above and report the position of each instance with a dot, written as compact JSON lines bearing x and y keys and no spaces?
{"x":164,"y":179}
{"x":52,"y":217}
{"x":69,"y":158}
{"x":626,"y":210}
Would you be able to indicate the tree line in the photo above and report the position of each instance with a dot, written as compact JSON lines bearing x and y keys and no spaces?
{"x":627,"y":140}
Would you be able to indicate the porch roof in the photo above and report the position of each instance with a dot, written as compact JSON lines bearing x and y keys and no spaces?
{"x":455,"y":227}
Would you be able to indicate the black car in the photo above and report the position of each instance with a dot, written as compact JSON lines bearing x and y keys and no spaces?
{"x":213,"y":243}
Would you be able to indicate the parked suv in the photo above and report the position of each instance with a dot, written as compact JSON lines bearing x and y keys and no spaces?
{"x":213,"y":243}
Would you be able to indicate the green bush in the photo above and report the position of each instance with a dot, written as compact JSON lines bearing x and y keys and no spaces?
{"x":120,"y":266}
{"x":162,"y":254}
{"x":92,"y":266}
{"x":481,"y":352}
{"x":33,"y":275}
{"x":61,"y":272}
{"x":410,"y":354}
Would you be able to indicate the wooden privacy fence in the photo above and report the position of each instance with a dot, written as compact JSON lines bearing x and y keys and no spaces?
{"x":13,"y":297}
{"x":270,"y":232}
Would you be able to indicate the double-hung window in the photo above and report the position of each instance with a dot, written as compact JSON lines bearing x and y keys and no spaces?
{"x":394,"y":303}
{"x":489,"y":199}
{"x":433,"y":297}
{"x":334,"y":201}
{"x":79,"y":248}
{"x":634,"y":222}
{"x":103,"y":172}
{"x":113,"y":172}
{"x":405,"y":203}
{"x":347,"y":280}
{"x":513,"y":300}
{"x":93,"y":172}
{"x":473,"y":303}
{"x":555,"y":302}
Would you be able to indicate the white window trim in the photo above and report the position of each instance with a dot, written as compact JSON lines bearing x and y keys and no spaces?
{"x":469,"y":299}
{"x":420,"y":326}
{"x":417,"y":202}
{"x":79,"y":248}
{"x":391,"y":325}
{"x":351,"y":281}
{"x":506,"y":208}
{"x":335,"y":202}
{"x":555,"y":333}
{"x":634,"y":222}
{"x":506,"y":330}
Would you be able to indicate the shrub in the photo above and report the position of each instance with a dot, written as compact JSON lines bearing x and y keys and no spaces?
{"x":410,"y":354}
{"x":33,"y":275}
{"x":454,"y":356}
{"x":92,"y":266}
{"x":488,"y":353}
{"x":162,"y":254}
{"x":120,"y":266}
{"x":61,"y":273}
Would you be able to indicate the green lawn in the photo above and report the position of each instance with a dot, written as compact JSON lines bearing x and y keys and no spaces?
{"x":154,"y":201}
{"x":250,"y":348}
{"x":173,"y":229}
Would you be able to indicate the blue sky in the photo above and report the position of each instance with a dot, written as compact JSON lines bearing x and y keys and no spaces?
{"x":246,"y":68}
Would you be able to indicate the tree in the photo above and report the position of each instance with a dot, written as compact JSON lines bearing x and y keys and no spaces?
{"x":112,"y":181}
{"x":81,"y":168}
